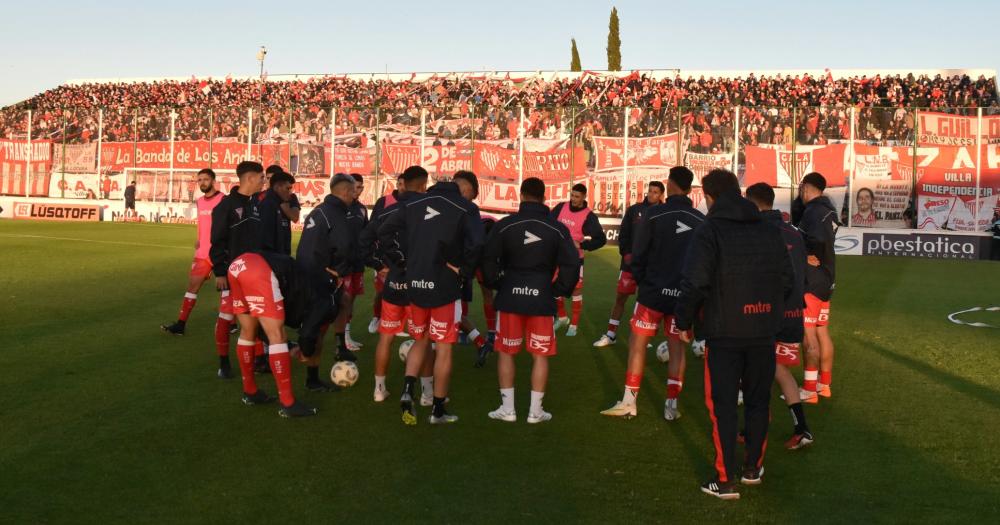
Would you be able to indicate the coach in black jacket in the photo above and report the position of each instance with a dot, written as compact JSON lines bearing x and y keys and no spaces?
{"x":324,"y":255}
{"x":738,"y":274}
{"x":524,"y":251}
{"x":236,"y":222}
{"x":443,"y":235}
{"x":275,"y":224}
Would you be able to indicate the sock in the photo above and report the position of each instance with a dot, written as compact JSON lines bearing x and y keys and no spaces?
{"x":536,"y":402}
{"x":347,"y":328}
{"x":465,"y":309}
{"x":258,"y":348}
{"x":490,"y":314}
{"x":613,"y":328}
{"x":222,"y":326}
{"x":674,"y":385}
{"x":244,"y":350}
{"x":632,"y":382}
{"x":426,"y":386}
{"x":312,"y":374}
{"x":577,"y":308}
{"x":341,"y":343}
{"x":561,"y":308}
{"x":798,"y":418}
{"x":809,"y":379}
{"x":409,"y":383}
{"x":477,"y":338}
{"x":380,"y":383}
{"x":507,"y":399}
{"x":281,"y":368}
{"x":377,"y":309}
{"x":825,"y":377}
{"x":438,"y":406}
{"x":186,"y":306}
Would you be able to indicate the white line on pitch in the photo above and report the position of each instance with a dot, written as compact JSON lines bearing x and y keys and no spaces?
{"x":93,"y":240}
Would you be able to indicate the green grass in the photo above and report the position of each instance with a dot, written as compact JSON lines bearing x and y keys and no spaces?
{"x":105,"y":419}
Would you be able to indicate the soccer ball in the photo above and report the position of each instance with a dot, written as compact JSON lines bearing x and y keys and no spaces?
{"x":698,"y":348}
{"x":344,"y":373}
{"x":663,"y":352}
{"x":404,"y":349}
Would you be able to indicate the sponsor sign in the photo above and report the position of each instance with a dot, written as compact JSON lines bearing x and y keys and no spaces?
{"x":56,"y":212}
{"x":930,"y":245}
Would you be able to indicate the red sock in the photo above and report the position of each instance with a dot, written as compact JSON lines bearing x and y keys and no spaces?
{"x":465,"y":309}
{"x":633,"y":380}
{"x":809,"y":379}
{"x":613,"y":327}
{"x":674,"y":386}
{"x":258,"y":348}
{"x":222,"y":326}
{"x":490,"y":314}
{"x":281,"y":368}
{"x":187,"y":306}
{"x":561,"y":307}
{"x":577,"y":308}
{"x":244,"y":349}
{"x":826,"y":377}
{"x":479,"y":340}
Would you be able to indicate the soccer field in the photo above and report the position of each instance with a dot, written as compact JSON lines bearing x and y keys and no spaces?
{"x":104,"y":418}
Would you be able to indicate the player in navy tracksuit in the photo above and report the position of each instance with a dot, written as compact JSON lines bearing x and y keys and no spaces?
{"x":468,"y":186}
{"x":276,"y":206}
{"x":444,"y":238}
{"x":325,"y":255}
{"x":738,"y":275}
{"x":383,"y":203}
{"x":661,"y":243}
{"x":523,"y":253}
{"x":626,"y":281}
{"x":786,"y":350}
{"x":395,"y":305}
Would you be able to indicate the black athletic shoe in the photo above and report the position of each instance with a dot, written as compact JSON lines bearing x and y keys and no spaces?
{"x":177,"y":328}
{"x":320,"y":386}
{"x":346,"y":355}
{"x":261,"y":366}
{"x":484,"y":352}
{"x":714,"y":487}
{"x":225,"y":372}
{"x":409,"y":413}
{"x":752,"y":475}
{"x":297,"y":409}
{"x":259,"y":397}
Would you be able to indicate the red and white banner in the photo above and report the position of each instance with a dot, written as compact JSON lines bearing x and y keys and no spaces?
{"x":437,"y":159}
{"x":558,"y":165}
{"x":653,"y":152}
{"x":775,"y":166}
{"x":943,"y":129}
{"x":14,"y":163}
{"x":946,"y":187}
{"x":702,"y":163}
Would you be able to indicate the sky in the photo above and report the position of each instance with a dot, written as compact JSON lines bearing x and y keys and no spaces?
{"x":46,"y":43}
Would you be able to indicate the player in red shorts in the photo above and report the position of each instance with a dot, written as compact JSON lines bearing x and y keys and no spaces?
{"x":791,"y":333}
{"x":354,"y":284}
{"x":626,"y":283}
{"x":523,"y":253}
{"x":468,"y":186}
{"x":201,"y":271}
{"x":588,"y":235}
{"x":661,"y":243}
{"x":378,"y":279}
{"x":818,"y":226}
{"x":257,"y":300}
{"x":443,"y":236}
{"x":395,"y":307}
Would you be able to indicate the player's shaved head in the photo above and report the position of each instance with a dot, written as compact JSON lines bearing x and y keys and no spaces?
{"x":533,"y":190}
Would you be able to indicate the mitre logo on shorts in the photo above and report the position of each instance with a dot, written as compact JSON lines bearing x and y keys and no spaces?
{"x":397,"y":286}
{"x":438,"y":328}
{"x":645,"y":325}
{"x":525,"y":290}
{"x":238,"y":267}
{"x":671,"y":292}
{"x":422,"y":284}
{"x":539,"y":342}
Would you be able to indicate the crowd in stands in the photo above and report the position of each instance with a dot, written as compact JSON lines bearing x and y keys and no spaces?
{"x":775,"y":109}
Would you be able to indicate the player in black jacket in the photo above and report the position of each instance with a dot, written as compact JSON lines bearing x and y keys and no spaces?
{"x":588,"y":235}
{"x":626,"y":283}
{"x":354,"y":284}
{"x":395,"y":307}
{"x":786,"y":349}
{"x":661,"y":243}
{"x":523,"y":253}
{"x":275,"y":219}
{"x":819,"y":227}
{"x":325,"y":255}
{"x":444,"y":238}
{"x":739,"y":275}
{"x":468,"y":186}
{"x":368,"y":246}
